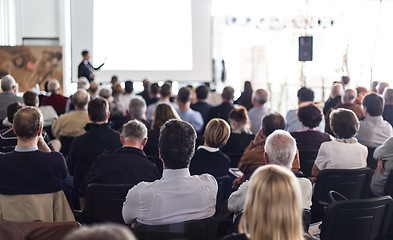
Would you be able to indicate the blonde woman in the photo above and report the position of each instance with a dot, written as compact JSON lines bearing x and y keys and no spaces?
{"x":209,"y":158}
{"x":272,"y":210}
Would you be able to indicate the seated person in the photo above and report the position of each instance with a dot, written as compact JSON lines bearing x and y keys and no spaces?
{"x":384,"y":156}
{"x":101,"y":232}
{"x":388,"y":107}
{"x":209,"y":158}
{"x":373,"y":130}
{"x":344,"y":152}
{"x":185,"y":112}
{"x":177,"y":196}
{"x":31,"y":176}
{"x":310,"y":138}
{"x":126,"y":165}
{"x":280,"y":149}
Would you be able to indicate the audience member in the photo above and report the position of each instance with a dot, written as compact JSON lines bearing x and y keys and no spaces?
{"x":245,"y":98}
{"x":154,"y":94}
{"x":102,"y":232}
{"x":280,"y":149}
{"x":72,"y":124}
{"x":137,"y":110}
{"x":30,"y":98}
{"x":159,"y":202}
{"x":82,"y":83}
{"x":384,"y":156}
{"x":201,"y":105}
{"x":373,"y":130}
{"x":126,"y":97}
{"x":310,"y":138}
{"x":373,"y":86}
{"x":361,"y":92}
{"x":209,"y":158}
{"x":382,"y":86}
{"x":388,"y":108}
{"x":165,"y":95}
{"x":99,"y":137}
{"x":305,"y":96}
{"x":105,"y":93}
{"x":256,"y":113}
{"x":184,"y":110}
{"x":222,"y":110}
{"x":126,"y":165}
{"x":56,"y":100}
{"x":116,"y":107}
{"x":334,"y":98}
{"x":265,"y":216}
{"x":93,"y":90}
{"x":344,"y":152}
{"x":8,"y":86}
{"x":34,"y":171}
{"x":145,"y":94}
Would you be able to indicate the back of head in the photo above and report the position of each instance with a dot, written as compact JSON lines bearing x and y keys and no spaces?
{"x":345,"y":80}
{"x":217,"y":133}
{"x":228,"y":93}
{"x":7,"y":82}
{"x":184,"y":95}
{"x":114,"y":79}
{"x":105,"y":93}
{"x":305,"y":95}
{"x":260,"y":96}
{"x":117,"y":89}
{"x":101,"y":232}
{"x":137,"y":108}
{"x":134,"y":129}
{"x":98,"y":110}
{"x":349,"y":96}
{"x":80,"y":99}
{"x":310,"y":115}
{"x":388,"y":96}
{"x":361,"y":91}
{"x":373,"y":104}
{"x":93,"y":87}
{"x":272,"y":122}
{"x":146,"y":84}
{"x":239,"y":116}
{"x":382,"y":86}
{"x":53,"y":86}
{"x":165,"y":90}
{"x":12,"y":108}
{"x":27,"y":122}
{"x":163,"y":113}
{"x":337,"y":90}
{"x":129,"y":86}
{"x":280,"y":147}
{"x":272,"y":209}
{"x":30,"y":98}
{"x":202,"y":92}
{"x":83,"y":83}
{"x":176,"y":144}
{"x":154,"y":89}
{"x":344,"y":123}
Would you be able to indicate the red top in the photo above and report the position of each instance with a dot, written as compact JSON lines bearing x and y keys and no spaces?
{"x":57,"y":101}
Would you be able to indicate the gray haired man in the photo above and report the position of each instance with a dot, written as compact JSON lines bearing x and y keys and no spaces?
{"x":8,"y":85}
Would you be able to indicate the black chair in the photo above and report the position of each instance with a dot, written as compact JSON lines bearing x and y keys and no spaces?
{"x":361,"y":219}
{"x":104,"y":203}
{"x":352,"y":183}
{"x":224,"y":190}
{"x":371,"y":161}
{"x":307,"y":159}
{"x":190,"y":230}
{"x":65,"y":145}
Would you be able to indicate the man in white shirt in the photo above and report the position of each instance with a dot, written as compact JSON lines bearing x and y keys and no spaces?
{"x":280,"y":149}
{"x":165,"y":95}
{"x":177,"y":196}
{"x":185,"y":112}
{"x":373,"y":130}
{"x":259,"y":99}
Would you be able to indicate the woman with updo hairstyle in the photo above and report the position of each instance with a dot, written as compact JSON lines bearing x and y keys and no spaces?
{"x":209,"y":158}
{"x":309,"y":137}
{"x":241,"y":135}
{"x":344,"y":152}
{"x":272,"y":210}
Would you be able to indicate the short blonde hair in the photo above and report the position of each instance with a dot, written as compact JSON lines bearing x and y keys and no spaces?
{"x":272,"y":208}
{"x":217,"y":133}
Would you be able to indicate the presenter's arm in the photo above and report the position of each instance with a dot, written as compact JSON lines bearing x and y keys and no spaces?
{"x":98,"y":68}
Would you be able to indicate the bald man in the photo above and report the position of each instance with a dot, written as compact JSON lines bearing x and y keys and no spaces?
{"x":259,"y":99}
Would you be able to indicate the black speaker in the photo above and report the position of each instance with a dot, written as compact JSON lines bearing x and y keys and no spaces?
{"x":305,"y":48}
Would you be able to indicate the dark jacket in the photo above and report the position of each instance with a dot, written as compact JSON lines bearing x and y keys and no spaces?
{"x":310,"y":140}
{"x":203,"y":108}
{"x":221,"y":111}
{"x":388,"y":114}
{"x":126,"y":165}
{"x":84,"y":71}
{"x":85,"y":148}
{"x":214,"y":163}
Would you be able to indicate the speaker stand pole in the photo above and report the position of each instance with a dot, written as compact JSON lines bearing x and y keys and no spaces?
{"x":302,"y":77}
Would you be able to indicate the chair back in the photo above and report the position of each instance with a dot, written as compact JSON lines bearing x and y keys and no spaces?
{"x":104,"y":202}
{"x":371,"y":161}
{"x":235,"y":236}
{"x":224,"y":190}
{"x":307,"y":159}
{"x":65,"y":145}
{"x":364,"y":219}
{"x":235,"y":158}
{"x":389,"y":185}
{"x":351,"y":183}
{"x":190,"y":230}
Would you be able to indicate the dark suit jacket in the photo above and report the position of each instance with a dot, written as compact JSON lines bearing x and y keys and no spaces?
{"x":235,"y":146}
{"x":388,"y":114}
{"x":83,"y":71}
{"x":126,"y":165}
{"x":214,"y":163}
{"x":310,"y":140}
{"x":221,"y":111}
{"x":203,"y":108}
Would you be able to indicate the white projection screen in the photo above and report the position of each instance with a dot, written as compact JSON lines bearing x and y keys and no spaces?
{"x":154,"y":39}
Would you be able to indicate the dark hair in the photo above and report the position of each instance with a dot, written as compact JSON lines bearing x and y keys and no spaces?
{"x":98,"y":109}
{"x":239,"y":115}
{"x":30,"y":98}
{"x":227,"y":93}
{"x":184,"y":95}
{"x":165,"y":90}
{"x":202,"y":92}
{"x":344,"y":123}
{"x":310,"y":115}
{"x":305,"y":94}
{"x":27,"y":122}
{"x":177,"y":143}
{"x":154,"y":88}
{"x":129,"y":86}
{"x":271,"y":122}
{"x":12,"y":108}
{"x":345,"y":79}
{"x":85,"y":52}
{"x":374,"y":104}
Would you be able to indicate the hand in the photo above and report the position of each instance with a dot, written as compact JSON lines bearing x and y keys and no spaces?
{"x":260,"y":138}
{"x":380,"y":166}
